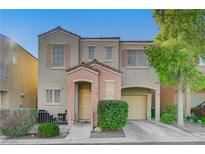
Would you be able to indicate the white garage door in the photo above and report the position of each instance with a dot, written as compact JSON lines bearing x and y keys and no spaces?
{"x":137,"y":107}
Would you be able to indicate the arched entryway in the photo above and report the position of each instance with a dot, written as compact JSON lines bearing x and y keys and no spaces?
{"x":86,"y":85}
{"x":82,"y":103}
{"x":82,"y":96}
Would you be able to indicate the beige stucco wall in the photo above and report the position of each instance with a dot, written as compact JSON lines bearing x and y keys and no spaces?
{"x":50,"y":78}
{"x":22,"y":78}
{"x":54,"y":78}
{"x":100,"y":51}
{"x":135,"y":76}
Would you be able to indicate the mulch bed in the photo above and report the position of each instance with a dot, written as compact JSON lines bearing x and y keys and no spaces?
{"x":34,"y":136}
{"x":108,"y":134}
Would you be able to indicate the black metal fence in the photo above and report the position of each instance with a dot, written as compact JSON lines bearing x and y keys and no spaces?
{"x":43,"y":116}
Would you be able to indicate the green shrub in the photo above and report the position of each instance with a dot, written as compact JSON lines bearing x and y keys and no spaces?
{"x":188,"y":118}
{"x":16,"y":122}
{"x":112,"y":114}
{"x":167,"y":118}
{"x":195,"y":119}
{"x":203,"y":120}
{"x":48,"y":130}
{"x":170,"y":115}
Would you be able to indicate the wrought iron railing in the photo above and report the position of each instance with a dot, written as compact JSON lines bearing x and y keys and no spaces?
{"x":44,"y":117}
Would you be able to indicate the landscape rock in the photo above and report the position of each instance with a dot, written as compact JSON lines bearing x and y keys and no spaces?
{"x":98,"y":129}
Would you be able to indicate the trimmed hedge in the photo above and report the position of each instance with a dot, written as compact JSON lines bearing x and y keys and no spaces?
{"x":48,"y":130}
{"x":112,"y":114}
{"x":16,"y":122}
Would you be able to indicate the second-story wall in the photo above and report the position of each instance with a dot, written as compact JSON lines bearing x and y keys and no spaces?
{"x":20,"y":76}
{"x":136,"y":76}
{"x":23,"y":79}
{"x":52,"y":77}
{"x":100,"y":46}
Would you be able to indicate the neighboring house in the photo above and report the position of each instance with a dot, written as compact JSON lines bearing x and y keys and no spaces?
{"x":18,"y":76}
{"x":76,"y":72}
{"x":169,"y":95}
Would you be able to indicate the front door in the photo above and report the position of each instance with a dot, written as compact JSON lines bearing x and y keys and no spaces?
{"x":84,"y":104}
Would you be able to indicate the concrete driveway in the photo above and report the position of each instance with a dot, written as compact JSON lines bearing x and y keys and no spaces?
{"x":154,"y":132}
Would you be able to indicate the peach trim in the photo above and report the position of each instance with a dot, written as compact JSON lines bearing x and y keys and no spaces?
{"x":106,"y":69}
{"x":58,"y":30}
{"x":82,"y":68}
{"x":83,"y":80}
{"x":139,"y":86}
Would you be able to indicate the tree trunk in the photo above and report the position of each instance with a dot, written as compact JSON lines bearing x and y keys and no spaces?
{"x":180,"y":119}
{"x":187,"y":100}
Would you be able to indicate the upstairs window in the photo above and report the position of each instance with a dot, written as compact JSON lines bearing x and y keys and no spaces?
{"x":109,"y":53}
{"x":202,"y":61}
{"x":91,"y":53}
{"x":58,"y":55}
{"x":136,"y":58}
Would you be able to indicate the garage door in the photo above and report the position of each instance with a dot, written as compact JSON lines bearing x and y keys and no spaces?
{"x":137,"y":107}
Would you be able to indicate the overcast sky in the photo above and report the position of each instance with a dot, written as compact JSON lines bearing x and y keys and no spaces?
{"x":23,"y":26}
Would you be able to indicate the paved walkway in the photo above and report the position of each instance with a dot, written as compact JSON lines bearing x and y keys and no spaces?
{"x":137,"y":132}
{"x":195,"y":129}
{"x":79,"y":131}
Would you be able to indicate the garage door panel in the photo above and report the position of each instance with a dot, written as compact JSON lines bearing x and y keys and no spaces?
{"x":137,"y":107}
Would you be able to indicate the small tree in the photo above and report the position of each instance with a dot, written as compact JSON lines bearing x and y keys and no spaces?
{"x":176,"y":51}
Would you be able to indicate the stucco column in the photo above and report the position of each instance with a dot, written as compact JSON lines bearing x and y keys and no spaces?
{"x":187,"y":102}
{"x":94,"y":102}
{"x":149,"y":106}
{"x":157,"y":105}
{"x":70,"y":102}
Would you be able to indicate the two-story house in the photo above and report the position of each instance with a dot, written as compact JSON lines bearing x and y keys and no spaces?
{"x":18,"y":76}
{"x":76,"y":72}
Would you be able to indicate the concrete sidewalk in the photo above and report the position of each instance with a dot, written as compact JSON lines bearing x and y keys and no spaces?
{"x":137,"y":132}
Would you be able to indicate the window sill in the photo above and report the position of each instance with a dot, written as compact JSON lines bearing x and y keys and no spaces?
{"x":89,"y":60}
{"x":108,"y":61}
{"x":4,"y":78}
{"x":201,"y":65}
{"x":57,"y":68}
{"x":53,"y":104}
{"x":137,"y":67}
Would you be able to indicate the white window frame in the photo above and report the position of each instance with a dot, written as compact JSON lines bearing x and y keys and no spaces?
{"x":89,"y":58}
{"x":131,"y":57}
{"x":52,"y":64}
{"x":136,"y":66}
{"x":106,"y":53}
{"x":53,"y":102}
{"x":107,"y":95}
{"x":201,"y":61}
